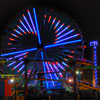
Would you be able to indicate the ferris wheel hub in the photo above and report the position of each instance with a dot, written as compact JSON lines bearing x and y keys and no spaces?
{"x":40,"y":46}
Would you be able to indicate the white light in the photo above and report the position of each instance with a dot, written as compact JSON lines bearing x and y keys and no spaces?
{"x":77,"y":72}
{"x":11,"y":80}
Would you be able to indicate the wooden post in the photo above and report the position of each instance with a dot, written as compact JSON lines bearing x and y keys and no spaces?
{"x":26,"y":61}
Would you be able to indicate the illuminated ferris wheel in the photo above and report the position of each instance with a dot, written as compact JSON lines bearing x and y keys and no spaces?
{"x":44,"y":35}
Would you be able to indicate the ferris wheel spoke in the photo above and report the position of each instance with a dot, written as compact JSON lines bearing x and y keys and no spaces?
{"x":65,"y":34}
{"x":70,"y":37}
{"x":66,"y":28}
{"x":56,"y":24}
{"x":21,"y":68}
{"x":52,"y":23}
{"x":19,"y":27}
{"x":32,"y":21}
{"x":44,"y":68}
{"x":60,"y":74}
{"x":53,"y":70}
{"x":50,"y":73}
{"x":27,"y":23}
{"x":59,"y":28}
{"x":18,"y":65}
{"x":36,"y":22}
{"x":24,"y":25}
{"x":17,"y":52}
{"x":61,"y":44}
{"x":60,"y":66}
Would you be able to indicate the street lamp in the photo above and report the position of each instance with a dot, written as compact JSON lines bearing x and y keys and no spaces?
{"x":12,"y":80}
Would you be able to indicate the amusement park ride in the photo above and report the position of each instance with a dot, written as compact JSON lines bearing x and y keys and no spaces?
{"x":50,"y":40}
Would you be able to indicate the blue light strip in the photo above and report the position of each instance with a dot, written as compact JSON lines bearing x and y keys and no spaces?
{"x":44,"y":69}
{"x":67,"y":38}
{"x":19,"y":55}
{"x":18,"y":65}
{"x":14,"y":35}
{"x":21,"y":29}
{"x":53,"y":71}
{"x":37,"y":25}
{"x":58,"y":70}
{"x":24,"y":26}
{"x":65,"y":34}
{"x":57,"y":24}
{"x":60,"y":66}
{"x":9,"y":59}
{"x":50,"y":73}
{"x":20,"y":58}
{"x":16,"y":52}
{"x":59,"y":28}
{"x":63,"y":30}
{"x":95,"y":64}
{"x":11,"y":63}
{"x":52,"y":23}
{"x":60,"y":44}
{"x":17,"y":31}
{"x":31,"y":21}
{"x":21,"y":68}
{"x":27,"y":23}
{"x":64,"y":63}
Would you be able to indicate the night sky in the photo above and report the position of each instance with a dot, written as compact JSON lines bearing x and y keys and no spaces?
{"x":84,"y":12}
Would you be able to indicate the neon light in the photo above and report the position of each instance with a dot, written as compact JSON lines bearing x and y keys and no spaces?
{"x":49,"y":19}
{"x":31,"y":21}
{"x":70,"y":56}
{"x":24,"y":26}
{"x":21,"y":29}
{"x":17,"y":65}
{"x":45,"y":16}
{"x":44,"y":69}
{"x":21,"y":68}
{"x":60,"y":66}
{"x":11,"y":63}
{"x":37,"y":25}
{"x":54,"y":45}
{"x":16,"y":52}
{"x":14,"y":35}
{"x":53,"y":70}
{"x":9,"y":59}
{"x":57,"y":24}
{"x":20,"y":58}
{"x":27,"y":23}
{"x":66,"y":33}
{"x":63,"y":30}
{"x":17,"y":31}
{"x":57,"y":70}
{"x":19,"y":55}
{"x":52,"y":23}
{"x":95,"y":76}
{"x":59,"y":28}
{"x":68,"y":38}
{"x":65,"y":59}
{"x":23,"y":73}
{"x":11,"y":39}
{"x":9,"y":43}
{"x":65,"y":64}
{"x":49,"y":74}
{"x":95,"y":64}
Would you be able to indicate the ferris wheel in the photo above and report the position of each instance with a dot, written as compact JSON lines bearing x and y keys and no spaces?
{"x":42,"y":34}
